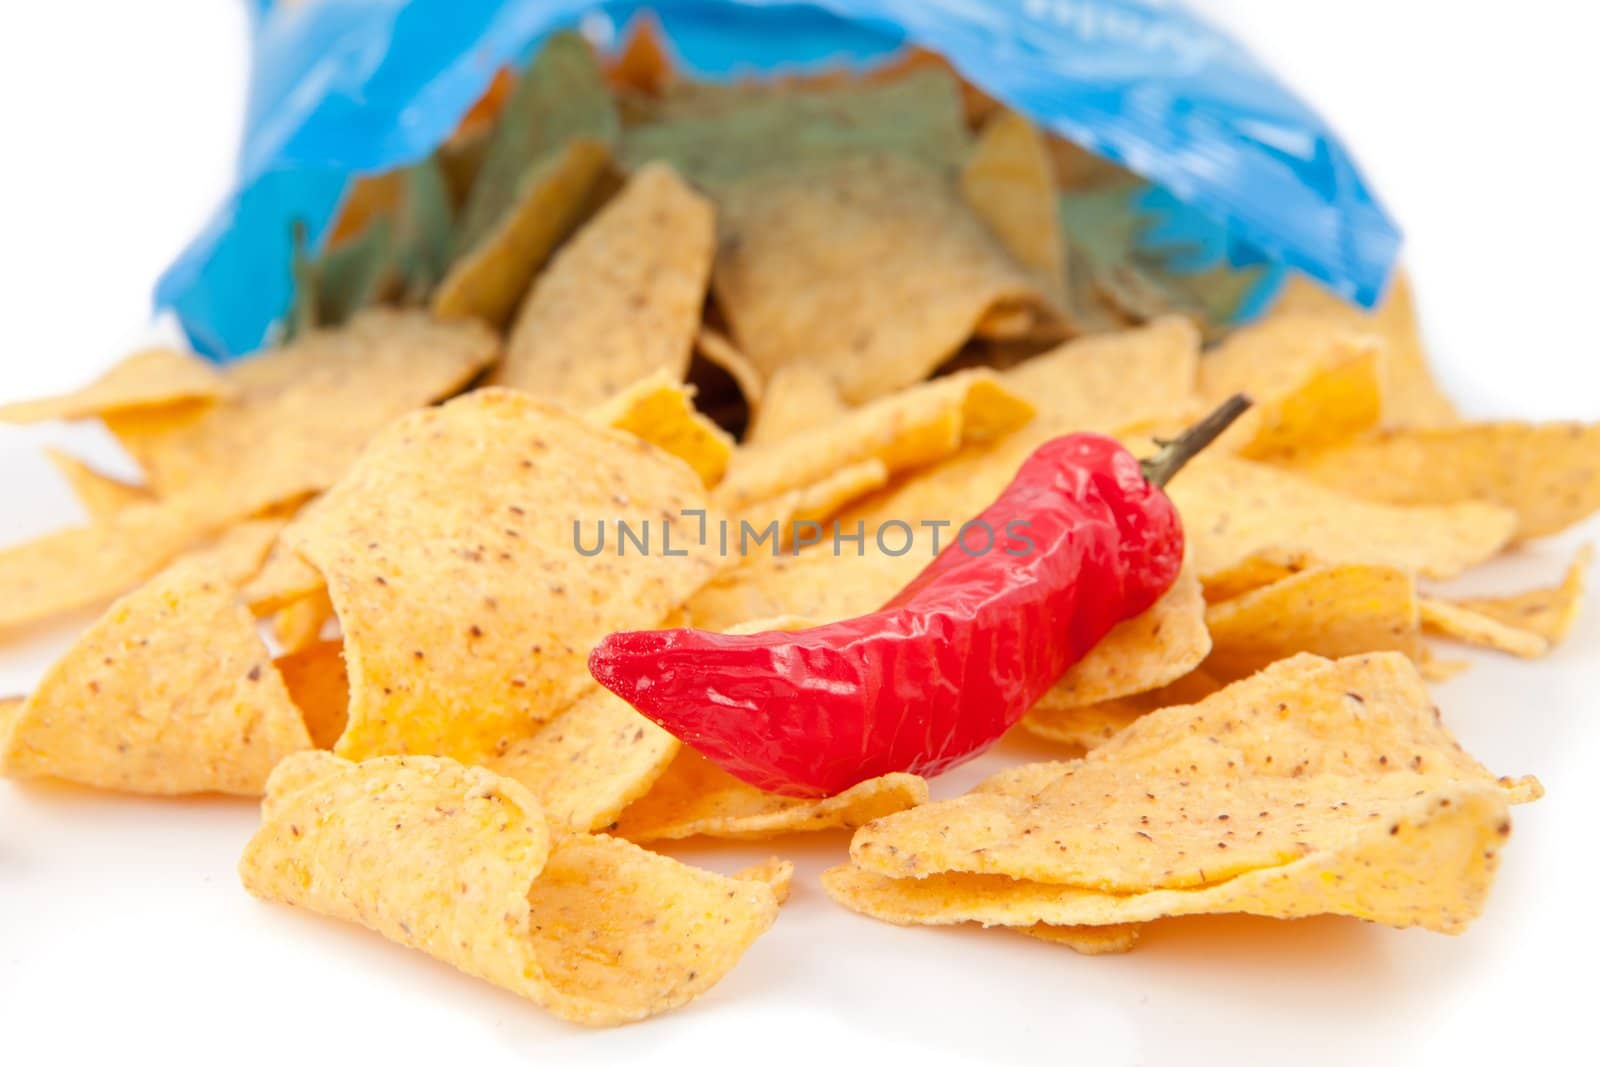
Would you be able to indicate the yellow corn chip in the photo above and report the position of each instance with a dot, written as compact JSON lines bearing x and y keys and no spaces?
{"x":1315,"y":381}
{"x":1411,"y":397}
{"x":285,"y":578}
{"x":1470,"y":627}
{"x":1549,"y":474}
{"x":1548,"y":612}
{"x":155,"y":378}
{"x":1145,"y":652}
{"x":1429,"y":862}
{"x":778,"y":874}
{"x":621,"y":301}
{"x":301,"y":413}
{"x":1007,"y":181}
{"x":1087,"y":940}
{"x":1290,"y":762}
{"x":797,"y":399}
{"x":1089,"y":726}
{"x":171,"y":691}
{"x":1254,"y":571}
{"x":100,"y":494}
{"x":590,"y":762}
{"x":910,"y":429}
{"x":1233,"y":509}
{"x":315,"y":678}
{"x":820,"y":265}
{"x":1338,"y":610}
{"x":1113,"y":381}
{"x":237,"y":553}
{"x":460,"y":553}
{"x":489,"y":281}
{"x":300,"y":624}
{"x":659,"y":409}
{"x":86,"y":565}
{"x":697,"y":798}
{"x":457,"y":862}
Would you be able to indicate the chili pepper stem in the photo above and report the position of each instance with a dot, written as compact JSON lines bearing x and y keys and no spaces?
{"x":1159,"y":468}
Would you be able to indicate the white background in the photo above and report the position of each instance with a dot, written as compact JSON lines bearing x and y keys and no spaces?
{"x":124,"y":935}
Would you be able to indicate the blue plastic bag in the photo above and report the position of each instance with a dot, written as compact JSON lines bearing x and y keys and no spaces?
{"x":345,"y":87}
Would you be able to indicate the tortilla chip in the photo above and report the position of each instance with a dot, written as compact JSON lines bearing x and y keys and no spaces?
{"x":1548,"y":612}
{"x":1007,"y":181}
{"x":1429,"y":863}
{"x":1148,"y":651}
{"x":1338,"y":610}
{"x":1233,"y":509}
{"x":1315,"y":382}
{"x":909,"y":429}
{"x":285,"y":578}
{"x":171,"y":691}
{"x":823,"y":265}
{"x":87,"y":565}
{"x":100,"y":494}
{"x":301,"y":413}
{"x":300,"y":624}
{"x":1470,"y":627}
{"x":778,"y":874}
{"x":457,"y":862}
{"x":154,"y":378}
{"x":547,"y":152}
{"x":621,"y":301}
{"x":797,"y":399}
{"x":315,"y":677}
{"x":488,"y":281}
{"x":462,"y":580}
{"x":718,"y":135}
{"x":1088,"y":726}
{"x":659,"y":409}
{"x":1087,"y":940}
{"x":1290,"y":762}
{"x":815,"y":502}
{"x":1114,"y":381}
{"x":590,"y":762}
{"x":1254,"y":571}
{"x":1549,"y":474}
{"x":695,"y":797}
{"x":1411,"y":396}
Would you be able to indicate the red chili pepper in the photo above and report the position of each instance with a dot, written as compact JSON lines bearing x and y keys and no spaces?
{"x":955,"y":659}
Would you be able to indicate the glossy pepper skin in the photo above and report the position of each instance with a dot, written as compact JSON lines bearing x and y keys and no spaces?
{"x":936,"y":675}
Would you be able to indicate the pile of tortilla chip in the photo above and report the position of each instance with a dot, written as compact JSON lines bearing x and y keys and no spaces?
{"x":533,"y":381}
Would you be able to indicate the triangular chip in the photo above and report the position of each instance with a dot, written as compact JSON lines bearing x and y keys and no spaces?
{"x":100,"y":494}
{"x":621,"y":301}
{"x":545,"y":156}
{"x":1338,"y":610}
{"x":1115,"y":381}
{"x":457,"y":862}
{"x":1233,"y":509}
{"x":1411,"y":395}
{"x":301,"y":413}
{"x":1008,"y":183}
{"x":1549,"y":474}
{"x":590,"y":762}
{"x":461,"y":556}
{"x":154,"y":378}
{"x":171,"y":691}
{"x":660,"y":410}
{"x":819,"y":265}
{"x":1089,"y":726}
{"x":1314,"y":381}
{"x":1290,"y":762}
{"x":695,"y":797}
